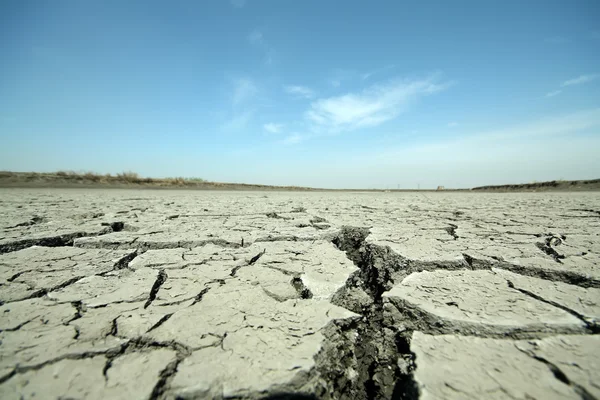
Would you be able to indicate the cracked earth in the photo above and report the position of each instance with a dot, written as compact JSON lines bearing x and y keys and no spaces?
{"x":248,"y":295}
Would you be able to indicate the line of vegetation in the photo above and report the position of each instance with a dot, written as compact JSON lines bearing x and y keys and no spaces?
{"x":557,"y":185}
{"x":123,"y":179}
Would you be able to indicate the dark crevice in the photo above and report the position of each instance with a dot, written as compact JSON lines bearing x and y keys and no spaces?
{"x":79,"y":310}
{"x":44,"y":291}
{"x":161,"y":321}
{"x":57,"y":241}
{"x":565,"y":276}
{"x":290,"y":396}
{"x":165,"y":376}
{"x":587,"y":210}
{"x":33,"y":221}
{"x":561,"y":376}
{"x":591,"y":325}
{"x":160,"y":279}
{"x":377,"y":347}
{"x":22,"y":324}
{"x":547,"y":248}
{"x":200,"y":295}
{"x":254,"y":259}
{"x":124,"y":261}
{"x":114,"y":328}
{"x":15,"y":276}
{"x":301,"y":289}
{"x":452,"y":231}
{"x":275,"y":215}
{"x":115,"y":226}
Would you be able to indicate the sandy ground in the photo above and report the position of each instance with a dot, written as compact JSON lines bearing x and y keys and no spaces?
{"x":187,"y":294}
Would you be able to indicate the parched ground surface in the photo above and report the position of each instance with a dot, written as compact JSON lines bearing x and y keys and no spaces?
{"x":244,"y":295}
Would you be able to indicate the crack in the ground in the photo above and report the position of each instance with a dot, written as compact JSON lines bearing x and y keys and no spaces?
{"x":590,"y":324}
{"x":301,"y":288}
{"x":160,"y":279}
{"x":377,"y":346}
{"x":44,"y":291}
{"x":123,"y":262}
{"x":452,"y":231}
{"x":565,"y":276}
{"x":547,"y":248}
{"x":254,"y":259}
{"x":377,"y":352}
{"x":143,"y":246}
{"x":560,"y":375}
{"x":80,"y":308}
{"x":58,"y":240}
{"x":22,"y":324}
{"x":165,"y":377}
{"x":200,"y":295}
{"x":381,"y":347}
{"x":161,"y":321}
{"x":141,"y":344}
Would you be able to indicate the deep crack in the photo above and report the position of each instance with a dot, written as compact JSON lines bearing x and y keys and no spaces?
{"x":591,"y":325}
{"x":376,"y":346}
{"x":254,"y":259}
{"x":160,"y":279}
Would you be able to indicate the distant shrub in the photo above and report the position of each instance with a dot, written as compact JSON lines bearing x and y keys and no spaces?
{"x":128,"y":176}
{"x":195,"y":180}
{"x":92,"y":176}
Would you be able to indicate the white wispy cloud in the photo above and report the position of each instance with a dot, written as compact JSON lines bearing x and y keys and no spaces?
{"x":299,"y":91}
{"x":553,"y":93}
{"x":452,"y":124}
{"x":243,"y":90}
{"x":294,"y":138}
{"x":238,"y":3}
{"x":557,"y":40}
{"x":368,"y":75}
{"x":373,"y":106}
{"x":339,"y":76}
{"x":238,"y":122}
{"x":273,"y":128}
{"x":255,"y":37}
{"x":580,"y":80}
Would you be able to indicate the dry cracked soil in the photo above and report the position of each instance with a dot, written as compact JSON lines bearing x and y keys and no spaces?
{"x":247,"y":295}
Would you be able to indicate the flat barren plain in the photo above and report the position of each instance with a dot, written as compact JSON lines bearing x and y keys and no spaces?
{"x":117,"y":294}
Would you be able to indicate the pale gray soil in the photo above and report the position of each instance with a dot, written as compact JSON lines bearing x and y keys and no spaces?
{"x":243,"y":295}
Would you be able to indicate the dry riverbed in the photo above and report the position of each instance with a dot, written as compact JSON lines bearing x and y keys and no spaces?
{"x":188,"y":294}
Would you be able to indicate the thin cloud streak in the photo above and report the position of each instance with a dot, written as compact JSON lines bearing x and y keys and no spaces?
{"x":273,"y":128}
{"x":299,"y":91}
{"x":257,"y":39}
{"x":292,"y":139}
{"x":238,"y":3}
{"x":244,"y":89}
{"x":371,"y":107}
{"x":368,"y":75}
{"x":580,"y":80}
{"x":238,"y":122}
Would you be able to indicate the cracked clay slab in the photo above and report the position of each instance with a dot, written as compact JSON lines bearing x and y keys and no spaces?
{"x":459,"y":367}
{"x":161,"y":294}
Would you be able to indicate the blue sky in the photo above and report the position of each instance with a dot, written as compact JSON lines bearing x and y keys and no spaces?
{"x":355,"y":94}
